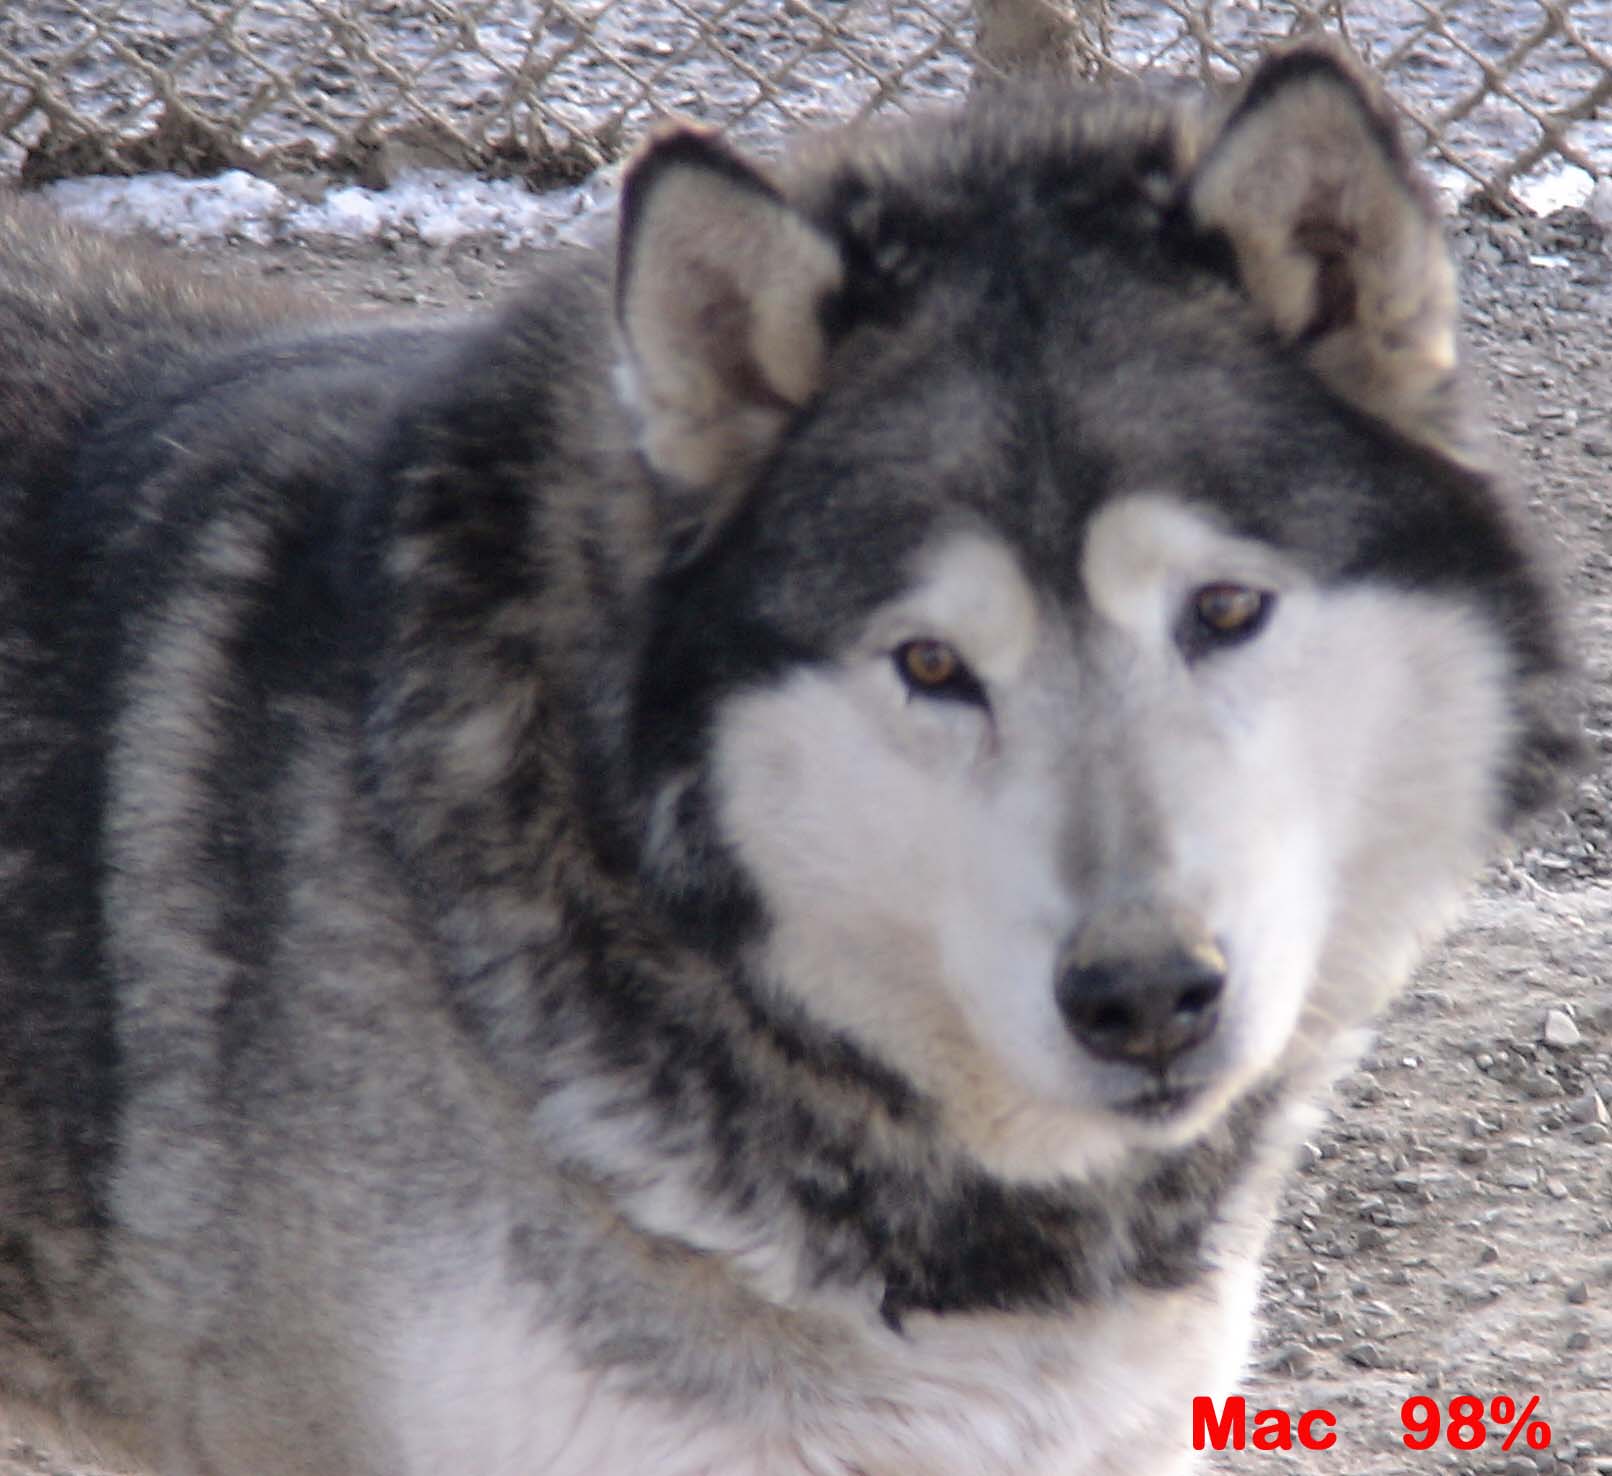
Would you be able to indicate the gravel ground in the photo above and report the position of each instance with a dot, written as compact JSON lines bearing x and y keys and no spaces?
{"x":1450,"y":1232}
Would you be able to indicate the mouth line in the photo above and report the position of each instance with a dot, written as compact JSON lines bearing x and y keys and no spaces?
{"x":1162,"y":1099}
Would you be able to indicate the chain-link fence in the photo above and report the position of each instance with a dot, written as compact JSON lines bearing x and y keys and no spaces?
{"x":547,"y":90}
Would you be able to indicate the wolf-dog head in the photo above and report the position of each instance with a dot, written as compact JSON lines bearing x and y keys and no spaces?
{"x":1090,"y":657}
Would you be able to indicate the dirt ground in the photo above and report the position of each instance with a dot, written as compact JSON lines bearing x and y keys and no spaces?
{"x":1450,"y":1231}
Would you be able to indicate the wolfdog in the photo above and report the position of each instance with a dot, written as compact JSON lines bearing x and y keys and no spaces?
{"x":752,"y":865}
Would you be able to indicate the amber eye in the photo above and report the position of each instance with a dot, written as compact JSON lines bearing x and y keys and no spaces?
{"x":929,"y":663}
{"x":1223,"y":614}
{"x":1231,"y":609}
{"x":934,"y":669}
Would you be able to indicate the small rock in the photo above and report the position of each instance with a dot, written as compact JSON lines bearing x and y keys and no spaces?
{"x":1365,"y":1355}
{"x":1589,"y":1108}
{"x":1579,"y":1341}
{"x":1293,"y":1359}
{"x":1557,"y":1188}
{"x":1507,"y":239}
{"x":1595,"y":1134}
{"x":1599,"y":204}
{"x":1578,"y":1293}
{"x":1559,"y":1031}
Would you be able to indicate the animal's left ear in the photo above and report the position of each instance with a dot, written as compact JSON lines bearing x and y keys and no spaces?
{"x":1336,"y":240}
{"x":720,"y":293}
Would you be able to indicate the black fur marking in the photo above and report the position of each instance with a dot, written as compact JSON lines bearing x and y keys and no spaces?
{"x":989,"y":1246}
{"x":1309,"y":64}
{"x":57,"y":664}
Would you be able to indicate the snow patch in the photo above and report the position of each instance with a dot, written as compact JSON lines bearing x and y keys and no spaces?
{"x":434,"y":206}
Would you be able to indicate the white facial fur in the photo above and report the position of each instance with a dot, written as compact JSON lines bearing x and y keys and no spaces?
{"x":1314,"y":796}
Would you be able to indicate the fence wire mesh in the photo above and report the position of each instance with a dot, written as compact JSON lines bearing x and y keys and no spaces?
{"x":547,"y":90}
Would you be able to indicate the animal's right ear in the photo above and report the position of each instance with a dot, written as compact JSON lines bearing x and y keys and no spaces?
{"x":721,"y":288}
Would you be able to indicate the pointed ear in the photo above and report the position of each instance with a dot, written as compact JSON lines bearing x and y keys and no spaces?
{"x":720,"y":294}
{"x":1336,"y":240}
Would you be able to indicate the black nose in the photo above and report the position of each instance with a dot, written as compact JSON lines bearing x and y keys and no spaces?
{"x":1144,"y":1011}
